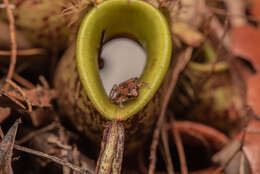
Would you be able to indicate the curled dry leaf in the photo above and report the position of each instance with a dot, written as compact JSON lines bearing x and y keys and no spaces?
{"x":245,"y":41}
{"x":239,"y":164}
{"x":6,"y":149}
{"x":232,"y":159}
{"x":242,"y":155}
{"x":251,"y":146}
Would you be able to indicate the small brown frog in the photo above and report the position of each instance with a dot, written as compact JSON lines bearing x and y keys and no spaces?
{"x":125,"y":91}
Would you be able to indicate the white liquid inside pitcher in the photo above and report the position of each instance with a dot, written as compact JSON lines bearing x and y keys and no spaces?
{"x":123,"y":59}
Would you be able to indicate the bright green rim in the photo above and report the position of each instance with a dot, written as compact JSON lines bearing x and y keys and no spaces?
{"x":148,"y":26}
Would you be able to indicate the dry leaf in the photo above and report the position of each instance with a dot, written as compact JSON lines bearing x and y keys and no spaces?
{"x":251,"y":146}
{"x":6,"y":149}
{"x":40,"y":96}
{"x":238,"y":164}
{"x":245,"y":41}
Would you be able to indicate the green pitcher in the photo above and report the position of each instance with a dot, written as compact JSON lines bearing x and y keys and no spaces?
{"x":82,"y":97}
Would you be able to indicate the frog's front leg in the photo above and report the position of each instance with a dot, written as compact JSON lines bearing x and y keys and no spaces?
{"x":121,"y":100}
{"x":113,"y":93}
{"x":121,"y":104}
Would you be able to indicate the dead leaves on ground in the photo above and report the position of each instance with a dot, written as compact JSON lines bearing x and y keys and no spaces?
{"x":251,"y":146}
{"x":26,"y":100}
{"x":65,"y":154}
{"x":242,"y":155}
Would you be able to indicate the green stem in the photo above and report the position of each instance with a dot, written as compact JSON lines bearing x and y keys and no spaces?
{"x":208,"y":67}
{"x":209,"y":52}
{"x":211,"y":65}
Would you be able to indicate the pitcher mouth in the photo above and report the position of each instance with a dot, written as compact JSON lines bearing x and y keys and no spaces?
{"x":141,"y":22}
{"x":120,"y":59}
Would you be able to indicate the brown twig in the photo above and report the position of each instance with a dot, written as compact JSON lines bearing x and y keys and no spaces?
{"x":223,"y":12}
{"x":23,"y":81}
{"x":180,"y":148}
{"x":216,"y":26}
{"x":218,"y":49}
{"x":182,"y":60}
{"x":54,"y":159}
{"x":22,"y":93}
{"x":19,"y":79}
{"x":1,"y":133}
{"x":35,"y":133}
{"x":25,"y":52}
{"x":221,"y":40}
{"x":44,"y":82}
{"x":238,"y":12}
{"x":168,"y":160}
{"x":13,"y":41}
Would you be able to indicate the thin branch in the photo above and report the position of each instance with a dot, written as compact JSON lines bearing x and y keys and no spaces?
{"x":25,"y":52}
{"x":19,"y":79}
{"x":1,"y":133}
{"x":223,"y":12}
{"x":180,"y":148}
{"x":168,"y":159}
{"x":23,"y":81}
{"x":22,"y":93}
{"x":54,"y":159}
{"x":13,"y":41}
{"x":221,"y":39}
{"x":35,"y":133}
{"x":182,"y":60}
{"x":216,"y":26}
